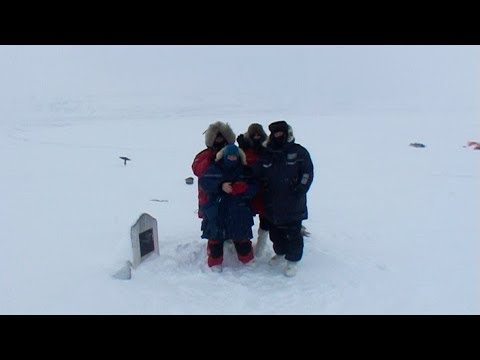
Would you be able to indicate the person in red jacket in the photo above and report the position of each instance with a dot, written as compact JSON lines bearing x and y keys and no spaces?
{"x":217,"y":136}
{"x":251,"y":143}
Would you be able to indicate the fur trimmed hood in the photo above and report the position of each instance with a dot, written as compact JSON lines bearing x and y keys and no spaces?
{"x":290,"y":138}
{"x":252,"y":129}
{"x":219,"y":127}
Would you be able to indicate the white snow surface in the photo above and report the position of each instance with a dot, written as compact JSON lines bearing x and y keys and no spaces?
{"x":394,"y":229}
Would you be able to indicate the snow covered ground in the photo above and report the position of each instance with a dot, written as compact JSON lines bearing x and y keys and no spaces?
{"x":395,"y":229}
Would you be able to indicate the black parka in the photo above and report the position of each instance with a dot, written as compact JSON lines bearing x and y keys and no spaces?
{"x":286,"y":174}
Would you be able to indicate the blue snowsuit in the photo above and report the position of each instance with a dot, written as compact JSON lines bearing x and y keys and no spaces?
{"x":227,"y":216}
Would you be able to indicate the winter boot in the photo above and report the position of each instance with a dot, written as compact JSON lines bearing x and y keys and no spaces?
{"x":211,"y":261}
{"x":277,"y":259}
{"x":261,"y":242}
{"x":244,"y":250}
{"x":291,"y":269}
{"x":214,"y":254}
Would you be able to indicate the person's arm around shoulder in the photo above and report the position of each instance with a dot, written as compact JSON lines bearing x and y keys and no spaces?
{"x":211,"y":180}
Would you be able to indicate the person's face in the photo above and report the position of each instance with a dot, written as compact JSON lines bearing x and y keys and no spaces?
{"x":278,"y":134}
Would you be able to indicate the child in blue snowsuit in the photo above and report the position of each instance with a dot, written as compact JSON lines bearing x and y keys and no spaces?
{"x":227,"y":213}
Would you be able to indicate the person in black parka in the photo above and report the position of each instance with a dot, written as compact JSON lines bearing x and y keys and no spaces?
{"x":285,"y":170}
{"x":230,"y":186}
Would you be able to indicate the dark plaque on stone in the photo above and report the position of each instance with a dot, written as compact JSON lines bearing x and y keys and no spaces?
{"x":146,"y":242}
{"x":144,"y":235}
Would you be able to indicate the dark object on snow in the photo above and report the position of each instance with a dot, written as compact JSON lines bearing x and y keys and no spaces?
{"x":189,"y":180}
{"x":474,"y":145}
{"x":417,"y":145}
{"x":159,"y":200}
{"x":125,"y":159}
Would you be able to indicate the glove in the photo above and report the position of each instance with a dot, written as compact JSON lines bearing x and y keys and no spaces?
{"x":239,"y":187}
{"x":242,"y":144}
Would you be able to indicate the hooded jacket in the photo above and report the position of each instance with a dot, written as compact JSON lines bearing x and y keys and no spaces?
{"x":227,"y":216}
{"x":286,"y":174}
{"x":206,"y":157}
{"x":253,"y":153}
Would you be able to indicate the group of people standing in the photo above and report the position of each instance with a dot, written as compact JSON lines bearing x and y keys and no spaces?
{"x":268,"y":175}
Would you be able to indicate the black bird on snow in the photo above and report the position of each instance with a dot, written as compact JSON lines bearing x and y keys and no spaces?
{"x":125,"y":159}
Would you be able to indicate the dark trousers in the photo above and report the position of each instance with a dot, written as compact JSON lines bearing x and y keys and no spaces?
{"x":287,"y":240}
{"x":264,"y":223}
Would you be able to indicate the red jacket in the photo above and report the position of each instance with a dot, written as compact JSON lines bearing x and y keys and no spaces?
{"x":257,"y":201}
{"x":200,"y":164}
